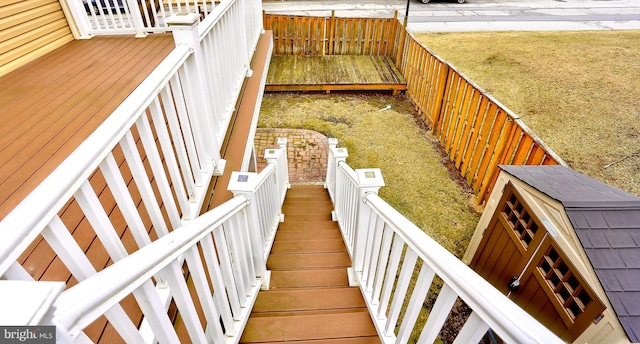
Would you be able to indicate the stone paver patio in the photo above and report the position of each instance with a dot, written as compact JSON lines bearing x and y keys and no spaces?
{"x":307,"y":152}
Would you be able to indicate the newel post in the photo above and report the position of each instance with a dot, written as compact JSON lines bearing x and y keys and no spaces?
{"x":369,"y":182}
{"x":336,"y":155}
{"x":282,"y":143}
{"x":278,"y":158}
{"x":184,"y":27}
{"x":245,"y":184}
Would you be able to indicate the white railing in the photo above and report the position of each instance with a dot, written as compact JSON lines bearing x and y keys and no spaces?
{"x":226,"y":43}
{"x":267,"y":190}
{"x":139,"y":17}
{"x":224,"y":250}
{"x":389,"y":253}
{"x":141,"y":175}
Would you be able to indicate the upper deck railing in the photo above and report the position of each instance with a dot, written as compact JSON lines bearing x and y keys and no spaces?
{"x":140,"y":17}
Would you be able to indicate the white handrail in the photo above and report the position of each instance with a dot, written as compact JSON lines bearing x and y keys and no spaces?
{"x":222,"y":241}
{"x":386,"y":249}
{"x":236,"y":265}
{"x":267,"y":191}
{"x":82,"y":304}
{"x":504,"y":317}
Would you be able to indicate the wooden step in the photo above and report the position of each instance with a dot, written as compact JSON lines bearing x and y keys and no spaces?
{"x":355,"y":323}
{"x":308,"y":261}
{"x":302,"y":226}
{"x":307,"y":217}
{"x":311,"y":199}
{"x":307,"y":208}
{"x":308,"y":235}
{"x":308,"y":246}
{"x":307,"y":300}
{"x":317,"y":278}
{"x":307,"y":191}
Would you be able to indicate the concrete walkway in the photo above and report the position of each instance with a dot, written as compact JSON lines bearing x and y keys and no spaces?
{"x":307,"y":152}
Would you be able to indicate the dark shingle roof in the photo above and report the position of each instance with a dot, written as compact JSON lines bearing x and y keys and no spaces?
{"x":607,"y":222}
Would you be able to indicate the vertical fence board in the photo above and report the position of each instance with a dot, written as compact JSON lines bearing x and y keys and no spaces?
{"x":469,"y":123}
{"x":480,"y":143}
{"x":491,"y":146}
{"x":523,"y":150}
{"x":491,"y":172}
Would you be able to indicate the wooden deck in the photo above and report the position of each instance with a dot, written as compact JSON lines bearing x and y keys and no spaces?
{"x":48,"y":108}
{"x":51,"y":105}
{"x":334,"y":73}
{"x":310,"y":300}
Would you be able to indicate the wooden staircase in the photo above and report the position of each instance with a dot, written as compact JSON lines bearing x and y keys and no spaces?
{"x":309,"y":300}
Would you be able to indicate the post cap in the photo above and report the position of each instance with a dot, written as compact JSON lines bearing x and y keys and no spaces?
{"x":272,"y":153}
{"x":183,"y":19}
{"x":242,"y":181}
{"x":370,"y":177}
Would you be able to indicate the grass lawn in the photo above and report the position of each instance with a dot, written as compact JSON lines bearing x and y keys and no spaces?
{"x":578,"y":91}
{"x":417,"y":182}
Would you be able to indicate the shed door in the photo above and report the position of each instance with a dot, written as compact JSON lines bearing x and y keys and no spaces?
{"x":551,"y":290}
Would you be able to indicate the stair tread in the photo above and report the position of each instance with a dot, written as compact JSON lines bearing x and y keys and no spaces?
{"x":307,"y":200}
{"x":292,"y":261}
{"x":309,"y":278}
{"x":325,"y":216}
{"x":307,"y":208}
{"x":306,"y":327}
{"x":308,"y":299}
{"x":308,"y":245}
{"x":303,"y":226}
{"x":307,"y":235}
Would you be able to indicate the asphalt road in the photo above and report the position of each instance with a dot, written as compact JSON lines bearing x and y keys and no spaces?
{"x":480,"y":15}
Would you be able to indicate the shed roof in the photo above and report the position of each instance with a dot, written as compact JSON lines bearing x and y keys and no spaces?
{"x":607,"y":222}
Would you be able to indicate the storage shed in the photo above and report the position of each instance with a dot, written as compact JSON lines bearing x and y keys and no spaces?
{"x":566,"y":248}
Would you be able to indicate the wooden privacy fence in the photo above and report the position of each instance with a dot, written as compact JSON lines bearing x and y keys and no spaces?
{"x":331,"y":35}
{"x":476,"y":130}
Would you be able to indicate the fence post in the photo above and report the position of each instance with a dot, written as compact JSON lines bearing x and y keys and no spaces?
{"x":336,"y":155}
{"x":332,"y":33}
{"x":369,"y":182}
{"x":185,"y":31}
{"x":245,"y":184}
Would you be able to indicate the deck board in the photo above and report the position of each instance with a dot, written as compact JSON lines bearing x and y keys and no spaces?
{"x":51,"y":105}
{"x":334,"y":72}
